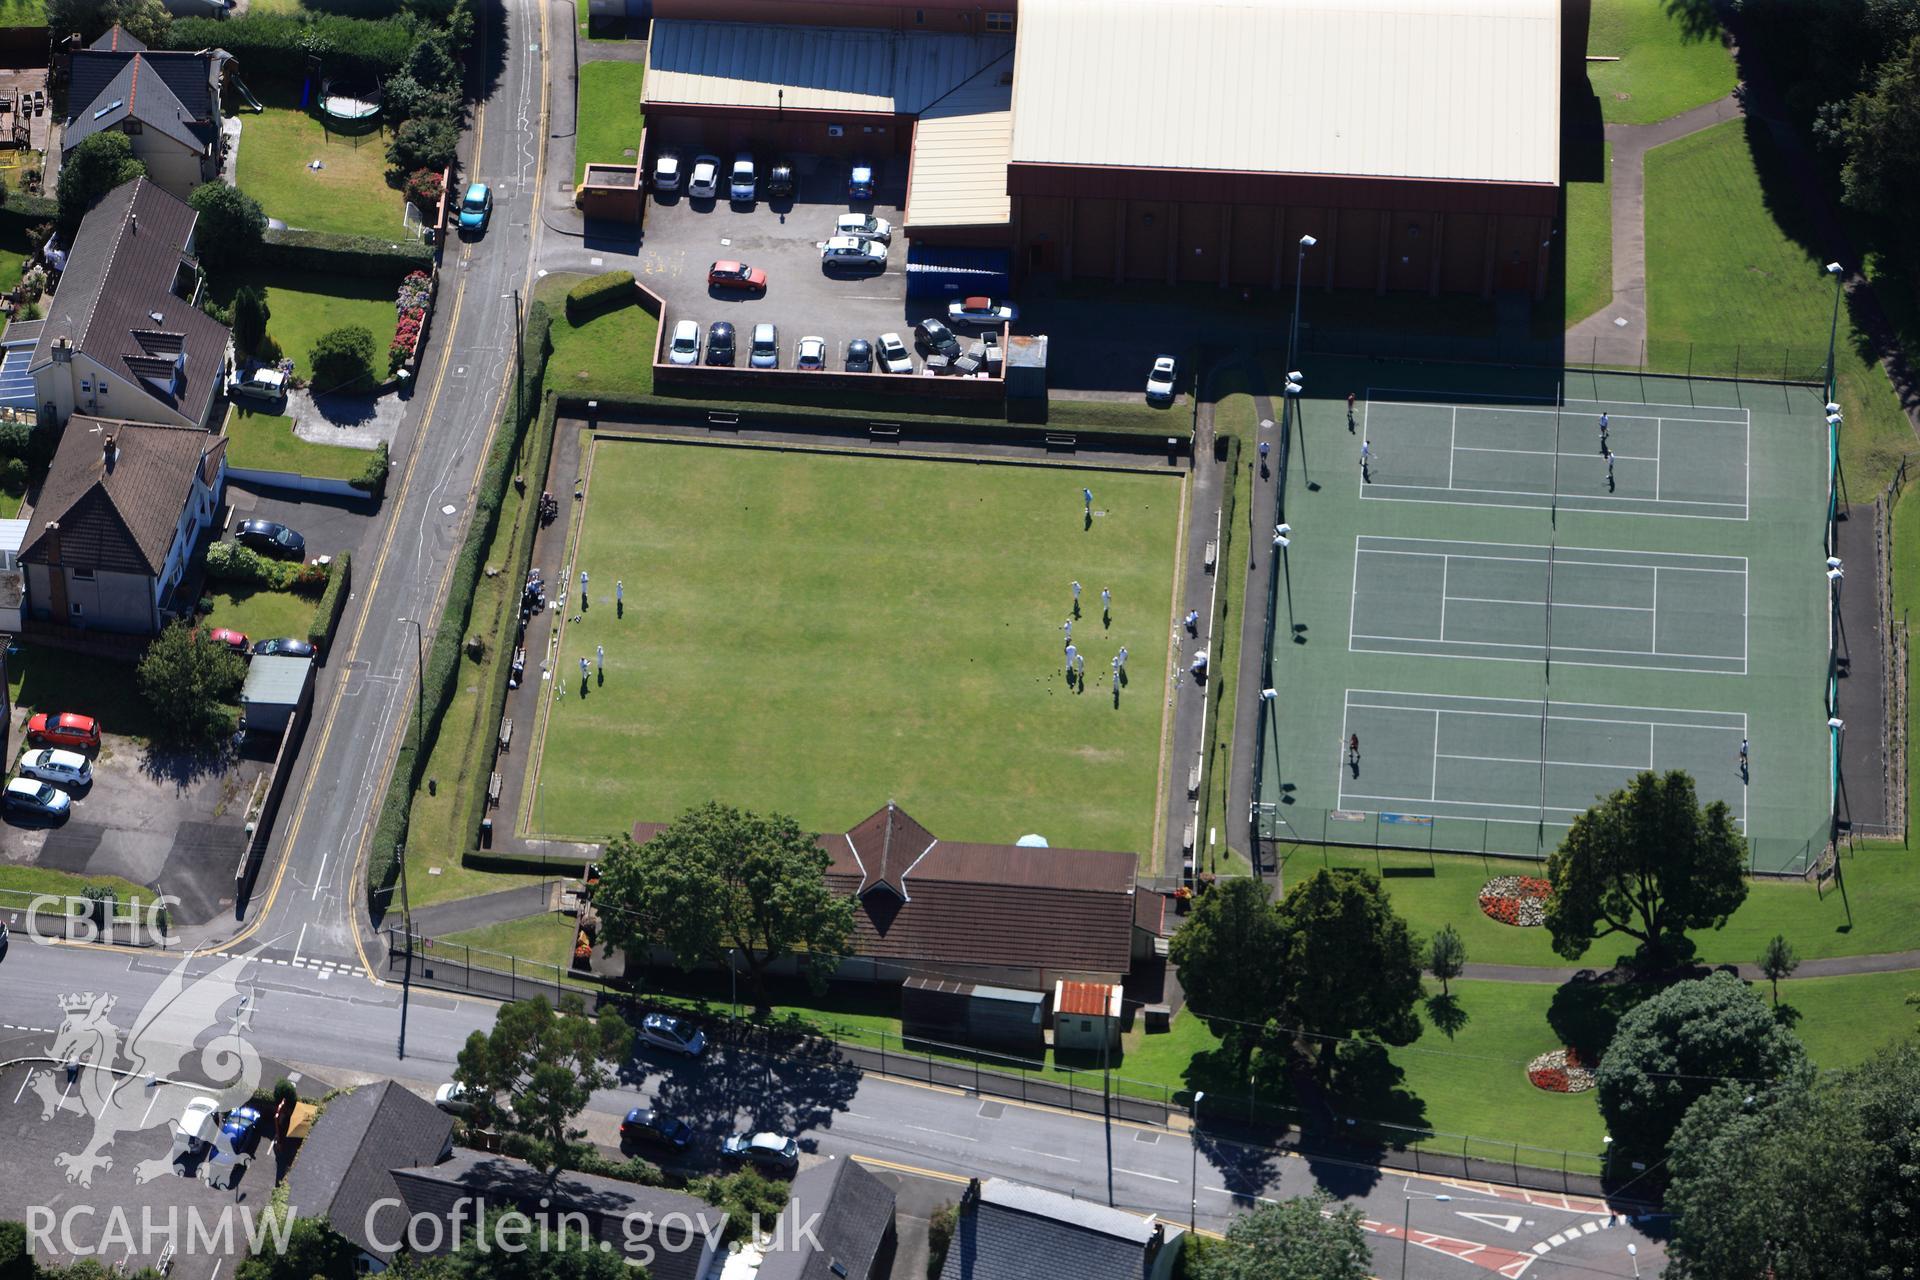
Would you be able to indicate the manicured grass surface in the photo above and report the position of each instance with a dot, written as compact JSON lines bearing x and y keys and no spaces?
{"x":15,"y":879}
{"x":611,"y":352}
{"x":302,"y":306}
{"x":348,"y":193}
{"x":1728,"y":262}
{"x":610,"y":119}
{"x":1589,"y":248}
{"x":544,"y":939}
{"x":40,"y":678}
{"x":1906,"y":598}
{"x":23,"y":13}
{"x":10,"y":504}
{"x":1665,"y":67}
{"x":1846,"y":1020}
{"x":265,"y":441}
{"x":817,"y":634}
{"x":259,"y":614}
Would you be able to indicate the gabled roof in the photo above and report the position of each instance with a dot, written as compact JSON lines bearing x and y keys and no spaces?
{"x":120,"y":513}
{"x":851,"y":1212}
{"x":137,"y":91}
{"x":168,"y":89}
{"x":1012,"y":1232}
{"x":885,"y":847}
{"x":347,"y":1162}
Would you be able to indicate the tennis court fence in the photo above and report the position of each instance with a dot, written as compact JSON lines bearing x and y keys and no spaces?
{"x":1753,"y":362}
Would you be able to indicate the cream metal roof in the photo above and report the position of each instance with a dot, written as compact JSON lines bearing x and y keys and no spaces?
{"x":1461,"y":89}
{"x":960,"y":151}
{"x":737,"y":64}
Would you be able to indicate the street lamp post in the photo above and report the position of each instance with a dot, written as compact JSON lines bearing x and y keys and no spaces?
{"x":1833,"y":332}
{"x":1293,"y":331}
{"x":1406,"y":1228}
{"x":1193,"y":1179}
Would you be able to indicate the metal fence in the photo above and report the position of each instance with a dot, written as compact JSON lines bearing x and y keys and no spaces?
{"x":1738,"y":361}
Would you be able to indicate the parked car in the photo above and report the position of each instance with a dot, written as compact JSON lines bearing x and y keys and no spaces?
{"x":283,"y":647}
{"x":452,"y":1098}
{"x":1161,"y":377}
{"x":665,"y":1031}
{"x":865,"y":226}
{"x":644,"y":1124}
{"x":666,"y":172}
{"x":742,"y":181}
{"x":198,"y":1124}
{"x":720,"y":343}
{"x":685,"y":347}
{"x":272,"y":538}
{"x":266,"y":385}
{"x":476,"y":208}
{"x":981,"y":311}
{"x":234,"y":640}
{"x":859,"y":356}
{"x":64,"y":729}
{"x":811,"y":355}
{"x":31,"y":795}
{"x":241,"y":1130}
{"x":704,"y":182}
{"x":860,"y":182}
{"x":894,"y":357}
{"x":54,"y":764}
{"x":737,"y":276}
{"x":936,"y":337}
{"x":779,"y":184}
{"x":852,"y":251}
{"x":765,"y":351}
{"x":768,"y":1150}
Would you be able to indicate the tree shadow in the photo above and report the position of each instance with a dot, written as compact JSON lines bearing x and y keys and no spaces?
{"x":1446,"y":1013}
{"x":1699,"y":20}
{"x":1787,"y":1016}
{"x":1586,"y":1010}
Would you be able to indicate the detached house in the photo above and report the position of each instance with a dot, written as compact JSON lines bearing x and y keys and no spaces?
{"x":167,"y":102}
{"x":123,"y":337}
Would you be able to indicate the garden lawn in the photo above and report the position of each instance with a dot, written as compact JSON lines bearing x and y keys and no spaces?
{"x":1589,"y":247}
{"x":610,"y":353}
{"x":1668,"y":63}
{"x":1843,"y":1021}
{"x":55,"y":680}
{"x":610,"y":118}
{"x":302,"y":306}
{"x":259,"y":613}
{"x":544,"y":939}
{"x":1728,"y":262}
{"x":265,"y":442}
{"x":817,"y":634}
{"x":18,"y":879}
{"x":347,"y":194}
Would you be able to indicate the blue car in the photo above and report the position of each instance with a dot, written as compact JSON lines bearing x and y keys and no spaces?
{"x":476,"y":208}
{"x":860,"y":182}
{"x":644,"y":1124}
{"x":241,"y":1130}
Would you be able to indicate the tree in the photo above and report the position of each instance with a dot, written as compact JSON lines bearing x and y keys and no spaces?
{"x":507,"y":1245}
{"x":16,"y":1261}
{"x":1881,"y":130}
{"x":342,"y":360}
{"x":231,"y":225}
{"x":940,"y":1231}
{"x":1224,"y":953}
{"x":1348,"y":965}
{"x":188,"y":679}
{"x":424,"y":142}
{"x":250,"y":317}
{"x":1446,"y":956}
{"x":720,"y":879}
{"x":1778,"y":961}
{"x":1304,"y":1238}
{"x":1671,"y":1049}
{"x":546,"y":1063}
{"x":145,"y":20}
{"x":1647,"y":862}
{"x":750,"y":1201}
{"x":101,"y":162}
{"x":314,"y":1251}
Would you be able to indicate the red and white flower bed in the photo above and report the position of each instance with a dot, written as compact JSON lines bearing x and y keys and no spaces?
{"x":1562,"y":1071}
{"x":1516,"y":900}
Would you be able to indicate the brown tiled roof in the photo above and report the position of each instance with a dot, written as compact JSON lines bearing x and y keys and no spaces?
{"x":886,"y":846}
{"x":1150,"y":911}
{"x":121,"y":516}
{"x":1084,"y":999}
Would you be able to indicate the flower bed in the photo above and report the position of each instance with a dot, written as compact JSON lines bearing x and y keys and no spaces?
{"x":410,"y":326}
{"x":1516,"y":900}
{"x":1561,"y":1071}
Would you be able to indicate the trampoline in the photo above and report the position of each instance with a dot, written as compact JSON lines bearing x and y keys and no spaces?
{"x":350,"y":100}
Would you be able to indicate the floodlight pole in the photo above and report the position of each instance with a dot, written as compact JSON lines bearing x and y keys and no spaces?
{"x":1833,"y":332}
{"x":1293,"y":335}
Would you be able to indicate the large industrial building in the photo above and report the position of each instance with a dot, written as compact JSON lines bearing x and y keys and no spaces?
{"x":1162,"y":141}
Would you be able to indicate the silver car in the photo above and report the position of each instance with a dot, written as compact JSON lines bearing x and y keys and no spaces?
{"x":35,"y":796}
{"x":665,"y":1031}
{"x":704,"y":182}
{"x":853,"y":251}
{"x":764,"y":353}
{"x":865,"y":226}
{"x":50,"y":764}
{"x":685,"y":347}
{"x":894,"y":356}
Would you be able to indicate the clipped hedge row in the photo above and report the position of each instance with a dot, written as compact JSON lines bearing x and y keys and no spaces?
{"x":377,"y":47}
{"x":599,"y":293}
{"x":26,"y":207}
{"x":333,"y":603}
{"x":374,"y":478}
{"x":327,"y":252}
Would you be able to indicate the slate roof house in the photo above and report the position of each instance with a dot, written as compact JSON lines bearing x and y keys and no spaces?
{"x":852,"y":1234}
{"x":345,"y":1166}
{"x":166,"y":101}
{"x":119,"y":513}
{"x":124,"y":336}
{"x":1008,"y":1231}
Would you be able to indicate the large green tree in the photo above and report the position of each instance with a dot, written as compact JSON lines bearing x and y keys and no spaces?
{"x":250,"y":317}
{"x":508,"y":1245}
{"x":1304,"y":1238}
{"x":231,"y":224}
{"x":145,"y":20}
{"x":314,"y":1251}
{"x":544,"y":1064}
{"x":1225,"y":955}
{"x":1649,"y":863}
{"x":101,"y":162}
{"x":1348,"y":965}
{"x":1881,"y":129}
{"x":1671,"y":1049}
{"x":722,"y":879}
{"x":342,"y":360}
{"x":188,"y":679}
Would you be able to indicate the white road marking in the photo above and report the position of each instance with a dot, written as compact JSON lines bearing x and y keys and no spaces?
{"x":1049,"y":1155}
{"x":1136,"y":1173}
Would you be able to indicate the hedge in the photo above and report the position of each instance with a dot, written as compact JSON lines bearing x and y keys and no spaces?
{"x":374,"y":478}
{"x":30,"y":208}
{"x":326,"y":252}
{"x":600,"y":293}
{"x":354,"y":46}
{"x":333,"y":603}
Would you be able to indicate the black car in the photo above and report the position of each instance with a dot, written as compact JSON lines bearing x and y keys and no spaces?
{"x":720,"y":343}
{"x":779,"y":183}
{"x":859,"y":356}
{"x":272,"y":538}
{"x":285,"y":647}
{"x":934,"y":336}
{"x":644,"y":1124}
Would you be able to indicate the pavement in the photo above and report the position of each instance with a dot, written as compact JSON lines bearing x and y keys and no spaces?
{"x":1254,"y":674}
{"x":488,"y":908}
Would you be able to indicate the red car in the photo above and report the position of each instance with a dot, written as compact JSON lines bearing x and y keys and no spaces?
{"x":234,"y":640}
{"x":82,"y":733}
{"x":736,"y":275}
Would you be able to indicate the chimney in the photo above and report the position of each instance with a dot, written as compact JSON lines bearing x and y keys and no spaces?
{"x":53,"y":543}
{"x":107,"y":451}
{"x":133,"y":223}
{"x":1158,"y":1238}
{"x":972,"y":1194}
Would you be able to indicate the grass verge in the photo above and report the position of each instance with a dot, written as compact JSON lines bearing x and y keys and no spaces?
{"x":1589,"y":242}
{"x":1671,"y":59}
{"x":544,"y":939}
{"x":609,"y":353}
{"x":610,"y":119}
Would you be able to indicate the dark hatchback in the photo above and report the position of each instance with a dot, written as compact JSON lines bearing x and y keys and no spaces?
{"x":644,"y":1124}
{"x":271,"y":538}
{"x":720,"y":343}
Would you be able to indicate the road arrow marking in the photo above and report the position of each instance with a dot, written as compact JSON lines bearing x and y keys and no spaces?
{"x":1503,"y":1221}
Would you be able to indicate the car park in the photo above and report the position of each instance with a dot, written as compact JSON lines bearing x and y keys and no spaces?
{"x":860,"y":182}
{"x":981,"y":312}
{"x":647,"y":1124}
{"x":852,"y":251}
{"x":811,"y":355}
{"x":241,"y":1130}
{"x":56,"y":765}
{"x":234,"y":640}
{"x":779,"y":184}
{"x":743,"y":180}
{"x":64,"y":729}
{"x":765,"y":351}
{"x":666,"y":172}
{"x":272,"y":538}
{"x":476,"y":208}
{"x":704,"y":182}
{"x":685,"y":347}
{"x":864,"y":226}
{"x":31,"y":795}
{"x":720,"y":343}
{"x":283,"y":647}
{"x":262,"y":383}
{"x":198,"y":1125}
{"x":768,"y":1150}
{"x":736,"y":276}
{"x":664,"y":1031}
{"x":1160,"y":378}
{"x":894,"y":356}
{"x":937,"y":338}
{"x":859,"y":356}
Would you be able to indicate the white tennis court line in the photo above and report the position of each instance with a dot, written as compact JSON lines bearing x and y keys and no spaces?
{"x":1443,"y":394}
{"x":1568,"y":502}
{"x":1707,"y":722}
{"x":1624,"y":413}
{"x":1564,"y":497}
{"x":1649,"y":558}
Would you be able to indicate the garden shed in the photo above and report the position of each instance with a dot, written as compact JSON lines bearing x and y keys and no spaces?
{"x":276,"y":688}
{"x":968,"y":1013}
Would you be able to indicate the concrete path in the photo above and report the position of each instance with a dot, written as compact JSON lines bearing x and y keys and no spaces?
{"x":1256,"y":527}
{"x":442,"y":918}
{"x":1190,"y":696}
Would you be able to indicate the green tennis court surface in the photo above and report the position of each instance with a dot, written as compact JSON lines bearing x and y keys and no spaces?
{"x":1511,"y":635}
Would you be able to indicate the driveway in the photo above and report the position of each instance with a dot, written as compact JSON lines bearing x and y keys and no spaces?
{"x":330,"y":524}
{"x":353,"y":422}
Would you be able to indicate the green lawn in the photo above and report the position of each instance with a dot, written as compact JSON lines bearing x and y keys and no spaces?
{"x":1665,"y":68}
{"x":818,"y":634}
{"x":348,"y":193}
{"x":40,"y":678}
{"x":1589,"y":247}
{"x":303,"y":306}
{"x":265,"y":441}
{"x":258,"y":613}
{"x":17,"y":879}
{"x":1728,"y":262}
{"x":612,"y":352}
{"x":23,"y":13}
{"x":1845,"y":1020}
{"x":610,"y":120}
{"x":545,"y":939}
